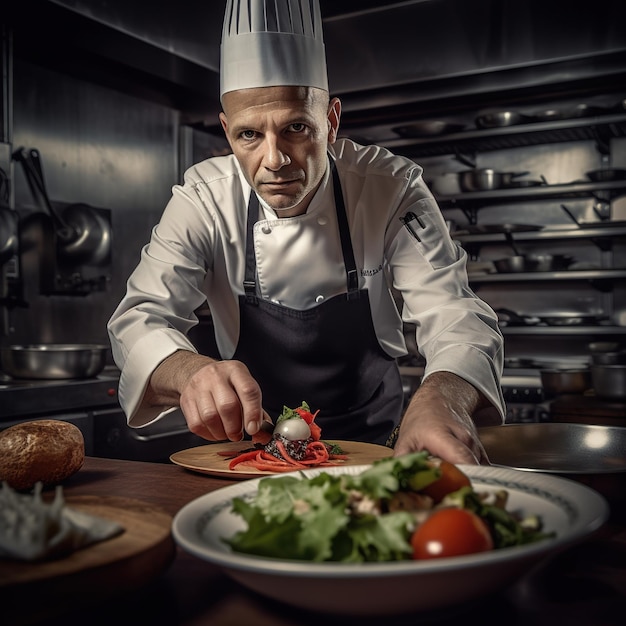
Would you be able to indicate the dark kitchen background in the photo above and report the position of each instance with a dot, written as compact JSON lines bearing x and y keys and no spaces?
{"x":118,"y":98}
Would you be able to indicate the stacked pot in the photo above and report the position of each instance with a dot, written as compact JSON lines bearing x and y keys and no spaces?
{"x":608,"y":371}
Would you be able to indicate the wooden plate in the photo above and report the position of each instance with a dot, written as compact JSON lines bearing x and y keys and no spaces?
{"x":208,"y":460}
{"x":33,"y":591}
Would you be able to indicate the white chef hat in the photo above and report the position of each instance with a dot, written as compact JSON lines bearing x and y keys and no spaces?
{"x":269,"y":43}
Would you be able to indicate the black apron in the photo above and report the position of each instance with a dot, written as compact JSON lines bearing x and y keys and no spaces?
{"x":328,"y":356}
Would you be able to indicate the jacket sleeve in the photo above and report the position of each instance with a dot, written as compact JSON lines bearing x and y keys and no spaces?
{"x":455,"y":330}
{"x":152,"y":320}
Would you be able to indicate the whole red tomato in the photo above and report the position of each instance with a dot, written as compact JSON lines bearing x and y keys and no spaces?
{"x":451,"y":532}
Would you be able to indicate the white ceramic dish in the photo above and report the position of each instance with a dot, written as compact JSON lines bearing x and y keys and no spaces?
{"x":566,"y":507}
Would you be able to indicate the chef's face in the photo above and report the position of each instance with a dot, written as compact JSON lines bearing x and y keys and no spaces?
{"x":280,"y":137}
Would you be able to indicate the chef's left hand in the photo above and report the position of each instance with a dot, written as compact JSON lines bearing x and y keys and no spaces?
{"x":439,"y":419}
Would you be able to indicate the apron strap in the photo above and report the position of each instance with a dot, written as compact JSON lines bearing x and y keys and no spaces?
{"x":249,"y":281}
{"x":344,"y":234}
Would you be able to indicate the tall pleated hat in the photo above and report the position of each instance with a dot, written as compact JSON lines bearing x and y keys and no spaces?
{"x":271,"y":43}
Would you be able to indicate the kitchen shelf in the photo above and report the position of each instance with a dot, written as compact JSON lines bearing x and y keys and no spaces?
{"x":563,"y":330}
{"x":601,"y":128}
{"x":540,"y":192}
{"x":547,"y":234}
{"x":589,"y":275}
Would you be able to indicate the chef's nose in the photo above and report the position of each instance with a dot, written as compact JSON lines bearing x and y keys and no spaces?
{"x":275,"y":155}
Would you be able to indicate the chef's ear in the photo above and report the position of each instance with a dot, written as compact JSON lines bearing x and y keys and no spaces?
{"x":224,"y":123}
{"x":334,"y":115}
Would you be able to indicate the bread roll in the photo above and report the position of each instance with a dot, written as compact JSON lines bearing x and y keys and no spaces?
{"x":47,"y":451}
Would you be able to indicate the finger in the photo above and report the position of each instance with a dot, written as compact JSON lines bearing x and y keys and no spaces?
{"x":250,"y":398}
{"x":202,"y":420}
{"x":228,"y":415}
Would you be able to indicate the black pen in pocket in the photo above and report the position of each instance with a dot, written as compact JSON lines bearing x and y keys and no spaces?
{"x":408,"y":221}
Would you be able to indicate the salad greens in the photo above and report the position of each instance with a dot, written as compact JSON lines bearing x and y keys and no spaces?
{"x":349,"y":518}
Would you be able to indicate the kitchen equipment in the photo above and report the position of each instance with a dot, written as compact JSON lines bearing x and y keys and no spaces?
{"x":499,"y":119}
{"x":572,"y":319}
{"x":509,"y":239}
{"x":560,"y":381}
{"x":590,"y":454}
{"x":518,"y":362}
{"x":569,"y":509}
{"x":428,"y":128}
{"x":607,"y":353}
{"x":533,"y":263}
{"x":550,"y":262}
{"x":30,"y":161}
{"x":523,"y":184}
{"x":53,"y":361}
{"x":8,"y":234}
{"x":568,"y":112}
{"x":522,"y":392}
{"x":92,"y":241}
{"x":511,"y":318}
{"x":609,"y":381}
{"x":446,"y":184}
{"x":83,"y":234}
{"x":557,"y":448}
{"x":609,"y":358}
{"x":606,"y":175}
{"x":598,"y":347}
{"x":486,"y":179}
{"x":515,"y":264}
{"x":480,"y":267}
{"x":506,"y":317}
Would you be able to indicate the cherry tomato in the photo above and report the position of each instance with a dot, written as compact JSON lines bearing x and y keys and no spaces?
{"x":451,"y":532}
{"x":451,"y":479}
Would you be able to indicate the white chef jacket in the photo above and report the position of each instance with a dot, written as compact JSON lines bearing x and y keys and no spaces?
{"x":197,"y":254}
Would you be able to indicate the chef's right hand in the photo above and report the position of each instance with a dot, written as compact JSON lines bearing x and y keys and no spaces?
{"x":218,"y":398}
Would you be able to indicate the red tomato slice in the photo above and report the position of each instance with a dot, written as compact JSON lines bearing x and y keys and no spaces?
{"x":307,"y":416}
{"x":451,"y":532}
{"x":451,"y":479}
{"x":316,"y":431}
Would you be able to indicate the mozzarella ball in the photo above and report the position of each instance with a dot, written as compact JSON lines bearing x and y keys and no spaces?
{"x":293,"y":429}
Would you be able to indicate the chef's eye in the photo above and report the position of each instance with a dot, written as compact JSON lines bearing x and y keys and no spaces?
{"x":297,"y":127}
{"x":248,"y":135}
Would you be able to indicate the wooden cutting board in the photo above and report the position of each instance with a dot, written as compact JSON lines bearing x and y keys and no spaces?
{"x":209,"y":459}
{"x":32,"y":591}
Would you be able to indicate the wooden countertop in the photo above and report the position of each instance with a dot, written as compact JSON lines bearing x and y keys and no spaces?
{"x":585,"y":585}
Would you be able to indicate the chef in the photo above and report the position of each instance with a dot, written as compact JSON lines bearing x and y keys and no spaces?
{"x":310,"y":251}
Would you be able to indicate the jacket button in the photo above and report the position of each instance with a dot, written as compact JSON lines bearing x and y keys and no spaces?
{"x":319,"y":298}
{"x":322,"y":220}
{"x":266,"y":230}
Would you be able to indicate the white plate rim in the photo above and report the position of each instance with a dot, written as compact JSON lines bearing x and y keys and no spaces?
{"x":585,"y":519}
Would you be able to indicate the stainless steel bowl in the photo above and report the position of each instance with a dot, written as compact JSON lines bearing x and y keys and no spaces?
{"x":53,"y":361}
{"x":591,"y":454}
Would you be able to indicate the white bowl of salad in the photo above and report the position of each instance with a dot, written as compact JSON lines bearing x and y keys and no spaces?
{"x":405,"y":534}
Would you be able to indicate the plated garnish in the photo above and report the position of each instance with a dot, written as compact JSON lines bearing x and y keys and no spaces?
{"x":402,"y":508}
{"x":294,"y":444}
